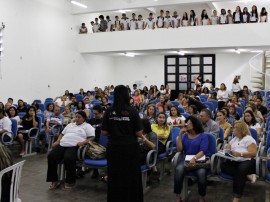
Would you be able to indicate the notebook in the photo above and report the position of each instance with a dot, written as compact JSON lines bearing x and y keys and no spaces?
{"x":189,"y":157}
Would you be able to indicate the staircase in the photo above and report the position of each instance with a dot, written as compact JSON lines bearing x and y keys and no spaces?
{"x":260,"y":71}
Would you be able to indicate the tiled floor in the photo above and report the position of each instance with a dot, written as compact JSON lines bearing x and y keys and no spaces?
{"x":34,"y":188}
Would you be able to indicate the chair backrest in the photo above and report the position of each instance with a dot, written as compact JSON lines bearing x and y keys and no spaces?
{"x":243,"y":103}
{"x":210,"y":106}
{"x":221,"y":133}
{"x":203,"y":98}
{"x":95,"y":102}
{"x":41,"y":116}
{"x":176,"y":103}
{"x":212,"y":145}
{"x":215,"y":103}
{"x":37,"y":101}
{"x":14,"y":127}
{"x":186,"y":115}
{"x":262,"y":92}
{"x":79,"y":97}
{"x":46,"y":104}
{"x":103,"y":140}
{"x":48,"y":100}
{"x":181,"y":110}
{"x":267,"y":123}
{"x":267,"y":144}
{"x":268,"y":161}
{"x":175,"y":132}
{"x":21,"y":114}
{"x":41,"y":107}
{"x":254,"y":134}
{"x":15,"y":180}
{"x":267,"y":94}
{"x":239,"y":111}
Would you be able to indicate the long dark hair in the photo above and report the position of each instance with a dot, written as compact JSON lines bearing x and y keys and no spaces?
{"x":263,"y":11}
{"x":193,"y":15}
{"x":204,"y":15}
{"x":27,"y":112}
{"x":254,"y":12}
{"x":121,"y":99}
{"x":253,"y":120}
{"x":197,"y":124}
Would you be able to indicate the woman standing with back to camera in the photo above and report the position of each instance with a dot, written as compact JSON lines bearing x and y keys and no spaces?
{"x":122,"y":124}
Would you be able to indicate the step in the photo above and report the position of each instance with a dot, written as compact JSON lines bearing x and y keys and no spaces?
{"x":256,"y":81}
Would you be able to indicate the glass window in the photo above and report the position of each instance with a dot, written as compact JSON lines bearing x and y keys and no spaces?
{"x":207,"y":60}
{"x":171,"y":61}
{"x":195,"y":60}
{"x":182,"y":61}
{"x":207,"y":69}
{"x":182,"y":86}
{"x":182,"y":69}
{"x":171,"y":69}
{"x":171,"y":78}
{"x":172,"y":86}
{"x":195,"y":69}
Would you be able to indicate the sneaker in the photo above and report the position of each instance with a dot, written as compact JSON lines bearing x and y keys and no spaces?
{"x":252,"y":178}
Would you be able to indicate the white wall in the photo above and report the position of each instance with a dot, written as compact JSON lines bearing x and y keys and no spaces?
{"x":150,"y":69}
{"x":40,"y":51}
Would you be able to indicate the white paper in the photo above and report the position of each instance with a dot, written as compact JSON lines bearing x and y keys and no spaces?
{"x":189,"y":157}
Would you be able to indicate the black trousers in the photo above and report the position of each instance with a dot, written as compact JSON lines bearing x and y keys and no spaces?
{"x":239,"y":171}
{"x":221,"y":104}
{"x":56,"y":156}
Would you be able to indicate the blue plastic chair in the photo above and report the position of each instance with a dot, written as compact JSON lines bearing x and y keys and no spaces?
{"x":243,"y":103}
{"x":186,"y":115}
{"x":267,"y":94}
{"x":48,"y":100}
{"x":215,"y":103}
{"x":46,"y":104}
{"x":7,"y":137}
{"x":210,"y":106}
{"x":95,"y":102}
{"x":79,"y":97}
{"x":254,"y":134}
{"x":203,"y":98}
{"x":41,"y":107}
{"x":181,"y":110}
{"x":175,"y":132}
{"x":239,"y":111}
{"x":37,"y":101}
{"x":262,"y":92}
{"x":175,"y":103}
{"x":267,"y":176}
{"x":21,"y":114}
{"x":42,"y":117}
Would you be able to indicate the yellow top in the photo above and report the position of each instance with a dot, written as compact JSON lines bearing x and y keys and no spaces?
{"x":161,"y":131}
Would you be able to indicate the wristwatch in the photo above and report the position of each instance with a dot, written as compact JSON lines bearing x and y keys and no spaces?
{"x":241,"y":154}
{"x":195,"y":157}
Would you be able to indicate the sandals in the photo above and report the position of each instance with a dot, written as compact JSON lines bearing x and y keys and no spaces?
{"x":68,"y":187}
{"x":54,"y":186}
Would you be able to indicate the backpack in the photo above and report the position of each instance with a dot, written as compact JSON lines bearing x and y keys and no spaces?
{"x":95,"y":151}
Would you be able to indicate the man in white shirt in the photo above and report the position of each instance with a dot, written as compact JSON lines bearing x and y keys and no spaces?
{"x":160,"y":20}
{"x":5,"y":125}
{"x":109,"y":24}
{"x":150,"y":22}
{"x":133,"y":22}
{"x":140,"y":22}
{"x":175,"y":20}
{"x":167,"y":20}
{"x":124,"y":22}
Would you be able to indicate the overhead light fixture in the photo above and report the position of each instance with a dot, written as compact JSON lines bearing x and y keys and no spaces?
{"x":180,"y":52}
{"x":79,"y":4}
{"x":237,"y":51}
{"x":256,"y":51}
{"x":129,"y":55}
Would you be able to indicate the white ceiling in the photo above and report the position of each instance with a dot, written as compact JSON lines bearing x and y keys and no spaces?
{"x":105,"y":6}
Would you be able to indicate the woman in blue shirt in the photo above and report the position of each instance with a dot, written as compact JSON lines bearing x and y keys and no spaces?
{"x":192,"y":141}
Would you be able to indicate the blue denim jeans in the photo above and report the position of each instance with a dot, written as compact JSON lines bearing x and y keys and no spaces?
{"x":180,"y":173}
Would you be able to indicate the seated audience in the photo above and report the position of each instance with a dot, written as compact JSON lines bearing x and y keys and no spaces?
{"x":13,"y":114}
{"x":81,"y":107}
{"x":260,"y":107}
{"x":192,"y":110}
{"x":30,"y":120}
{"x":151,"y":113}
{"x":96,"y":121}
{"x":175,"y":119}
{"x":244,"y":146}
{"x":233,"y":102}
{"x":149,"y":140}
{"x":222,"y":96}
{"x":258,"y":115}
{"x":162,"y":130}
{"x":73,"y":102}
{"x":221,"y":120}
{"x":5,"y":123}
{"x":230,"y":119}
{"x":62,"y":102}
{"x":87,"y":103}
{"x":54,"y":120}
{"x":65,"y":148}
{"x":105,"y":104}
{"x":233,"y":113}
{"x":68,"y":116}
{"x":198,"y":104}
{"x":251,"y":121}
{"x":209,"y":125}
{"x":36,"y":105}
{"x":21,"y":106}
{"x":49,"y":111}
{"x":192,"y":141}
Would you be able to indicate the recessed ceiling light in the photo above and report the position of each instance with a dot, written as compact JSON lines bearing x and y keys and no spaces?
{"x":129,"y":54}
{"x":237,"y":51}
{"x":79,"y":4}
{"x":180,"y":52}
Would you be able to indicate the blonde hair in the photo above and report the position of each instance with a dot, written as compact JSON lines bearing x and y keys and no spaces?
{"x":241,"y":127}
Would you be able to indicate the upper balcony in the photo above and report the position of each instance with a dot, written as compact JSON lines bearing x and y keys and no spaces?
{"x":218,"y":36}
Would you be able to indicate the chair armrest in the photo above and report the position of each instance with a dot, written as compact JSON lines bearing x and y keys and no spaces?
{"x":214,"y":163}
{"x":151,"y":155}
{"x":80,"y":153}
{"x":9,"y":137}
{"x":33,"y":133}
{"x":258,"y":162}
{"x":175,"y":158}
{"x":169,"y":147}
{"x":83,"y":155}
